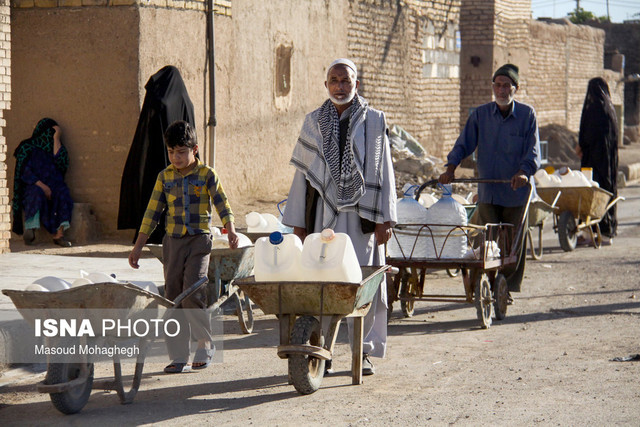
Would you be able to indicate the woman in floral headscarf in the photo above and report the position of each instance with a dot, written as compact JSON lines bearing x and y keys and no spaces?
{"x":39,"y":190}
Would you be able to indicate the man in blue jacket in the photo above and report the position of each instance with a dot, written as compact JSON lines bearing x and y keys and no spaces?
{"x":505,"y":134}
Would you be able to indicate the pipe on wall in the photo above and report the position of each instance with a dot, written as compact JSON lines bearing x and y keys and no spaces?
{"x":211,"y":122}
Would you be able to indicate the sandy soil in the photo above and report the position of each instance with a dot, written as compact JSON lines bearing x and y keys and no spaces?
{"x":550,"y":362}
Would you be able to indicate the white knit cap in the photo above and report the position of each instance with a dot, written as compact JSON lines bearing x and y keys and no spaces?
{"x":344,"y":61}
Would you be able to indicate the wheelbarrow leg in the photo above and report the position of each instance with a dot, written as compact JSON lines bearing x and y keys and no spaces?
{"x":116,"y":384}
{"x":286,"y":324}
{"x":356,"y":352}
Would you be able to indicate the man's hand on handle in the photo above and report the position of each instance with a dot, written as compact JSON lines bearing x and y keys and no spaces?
{"x":519,"y":180}
{"x":383,"y":233}
{"x":448,"y":176}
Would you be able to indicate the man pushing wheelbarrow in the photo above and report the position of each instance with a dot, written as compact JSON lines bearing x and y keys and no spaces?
{"x":505,"y":135}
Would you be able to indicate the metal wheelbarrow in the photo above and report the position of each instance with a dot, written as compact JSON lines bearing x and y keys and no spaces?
{"x":69,"y":384}
{"x":301,"y":306}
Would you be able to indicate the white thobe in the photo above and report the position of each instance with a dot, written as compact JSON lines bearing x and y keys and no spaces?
{"x":368,"y":252}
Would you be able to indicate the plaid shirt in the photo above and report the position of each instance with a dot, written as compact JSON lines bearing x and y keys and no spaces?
{"x":187,"y":200}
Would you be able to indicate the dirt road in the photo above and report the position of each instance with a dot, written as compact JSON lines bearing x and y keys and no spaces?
{"x":548,"y":363}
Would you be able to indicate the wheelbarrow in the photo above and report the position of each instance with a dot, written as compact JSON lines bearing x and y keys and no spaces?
{"x":539,"y":212}
{"x":225,"y":266}
{"x":484,"y":284}
{"x":579,"y":208}
{"x":69,"y":384}
{"x":301,"y":307}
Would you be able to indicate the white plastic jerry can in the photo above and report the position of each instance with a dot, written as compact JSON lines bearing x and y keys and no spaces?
{"x":277,"y":258}
{"x":330,"y":257}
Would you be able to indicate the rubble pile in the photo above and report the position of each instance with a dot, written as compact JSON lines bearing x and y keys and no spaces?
{"x":561,"y":146}
{"x":414,"y":166}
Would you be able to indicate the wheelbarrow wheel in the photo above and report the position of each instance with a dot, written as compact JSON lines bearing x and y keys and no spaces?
{"x":244,"y":310}
{"x":483,"y":300}
{"x":306,"y":372}
{"x":500,"y":297}
{"x":453,"y":272}
{"x":407,"y":289}
{"x":73,"y":400}
{"x":567,"y":231}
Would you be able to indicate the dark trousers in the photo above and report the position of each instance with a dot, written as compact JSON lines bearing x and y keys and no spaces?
{"x":487,"y":213}
{"x":186,"y":260}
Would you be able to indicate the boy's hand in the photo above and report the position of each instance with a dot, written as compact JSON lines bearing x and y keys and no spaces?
{"x":134,"y":257}
{"x":233,"y":239}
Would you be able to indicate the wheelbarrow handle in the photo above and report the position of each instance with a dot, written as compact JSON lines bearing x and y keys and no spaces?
{"x":190,"y":291}
{"x":467,"y":180}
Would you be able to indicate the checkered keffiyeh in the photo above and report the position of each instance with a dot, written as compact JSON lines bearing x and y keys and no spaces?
{"x":355,"y":184}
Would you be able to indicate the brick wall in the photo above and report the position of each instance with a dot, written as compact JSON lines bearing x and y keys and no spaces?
{"x":563,"y":58}
{"x":407,"y":54}
{"x":626,"y":39}
{"x":220,"y":7}
{"x":5,"y":104}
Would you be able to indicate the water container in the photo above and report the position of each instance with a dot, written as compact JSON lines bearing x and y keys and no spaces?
{"x":101,"y":278}
{"x":277,"y":258}
{"x":36,"y":287}
{"x":146,"y":285}
{"x":273,"y":224}
{"x":542,"y":178}
{"x":449,"y":241}
{"x":401,"y":244}
{"x":427,"y":200}
{"x":256,"y":223}
{"x":329,"y":257}
{"x":574,"y":179}
{"x":222,"y":241}
{"x":52,"y":283}
{"x":283,"y":228}
{"x":81,"y":282}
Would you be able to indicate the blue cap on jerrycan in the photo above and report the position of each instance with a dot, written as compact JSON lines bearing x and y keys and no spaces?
{"x":276,"y":238}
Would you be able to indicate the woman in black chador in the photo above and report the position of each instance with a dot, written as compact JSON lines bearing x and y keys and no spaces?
{"x":598,"y":145}
{"x":165,"y":102}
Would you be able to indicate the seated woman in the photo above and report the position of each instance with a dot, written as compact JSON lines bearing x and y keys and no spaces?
{"x":39,"y":188}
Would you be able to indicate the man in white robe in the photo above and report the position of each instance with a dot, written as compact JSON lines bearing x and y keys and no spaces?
{"x":344,"y":180}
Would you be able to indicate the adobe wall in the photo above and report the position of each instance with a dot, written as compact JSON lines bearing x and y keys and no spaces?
{"x":79,"y":67}
{"x":626,"y":39}
{"x":260,"y":113}
{"x":564,"y":57}
{"x":5,"y":104}
{"x":556,"y":60}
{"x":408,"y":55}
{"x":423,"y":63}
{"x":87,"y":67}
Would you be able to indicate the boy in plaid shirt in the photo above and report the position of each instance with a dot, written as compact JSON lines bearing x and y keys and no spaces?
{"x":187,"y":189}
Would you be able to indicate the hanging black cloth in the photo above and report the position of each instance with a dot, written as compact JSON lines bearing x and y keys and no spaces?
{"x":598,"y":139}
{"x":166,"y":101}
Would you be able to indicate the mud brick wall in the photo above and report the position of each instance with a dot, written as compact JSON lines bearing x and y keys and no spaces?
{"x":563,"y":58}
{"x":407,"y":54}
{"x":626,"y":39}
{"x":5,"y":104}
{"x":85,"y":64}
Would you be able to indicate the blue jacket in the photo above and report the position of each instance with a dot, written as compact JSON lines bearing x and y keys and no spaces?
{"x":505,"y":146}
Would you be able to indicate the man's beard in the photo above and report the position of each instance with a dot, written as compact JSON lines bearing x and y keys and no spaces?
{"x":504,"y":103}
{"x":344,"y":101}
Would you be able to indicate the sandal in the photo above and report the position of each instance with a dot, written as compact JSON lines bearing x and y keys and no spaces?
{"x":177,"y":368}
{"x":203,"y":358}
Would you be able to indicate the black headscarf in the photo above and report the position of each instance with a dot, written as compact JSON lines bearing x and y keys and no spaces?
{"x":42,"y":138}
{"x":598,"y":139}
{"x":166,"y":101}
